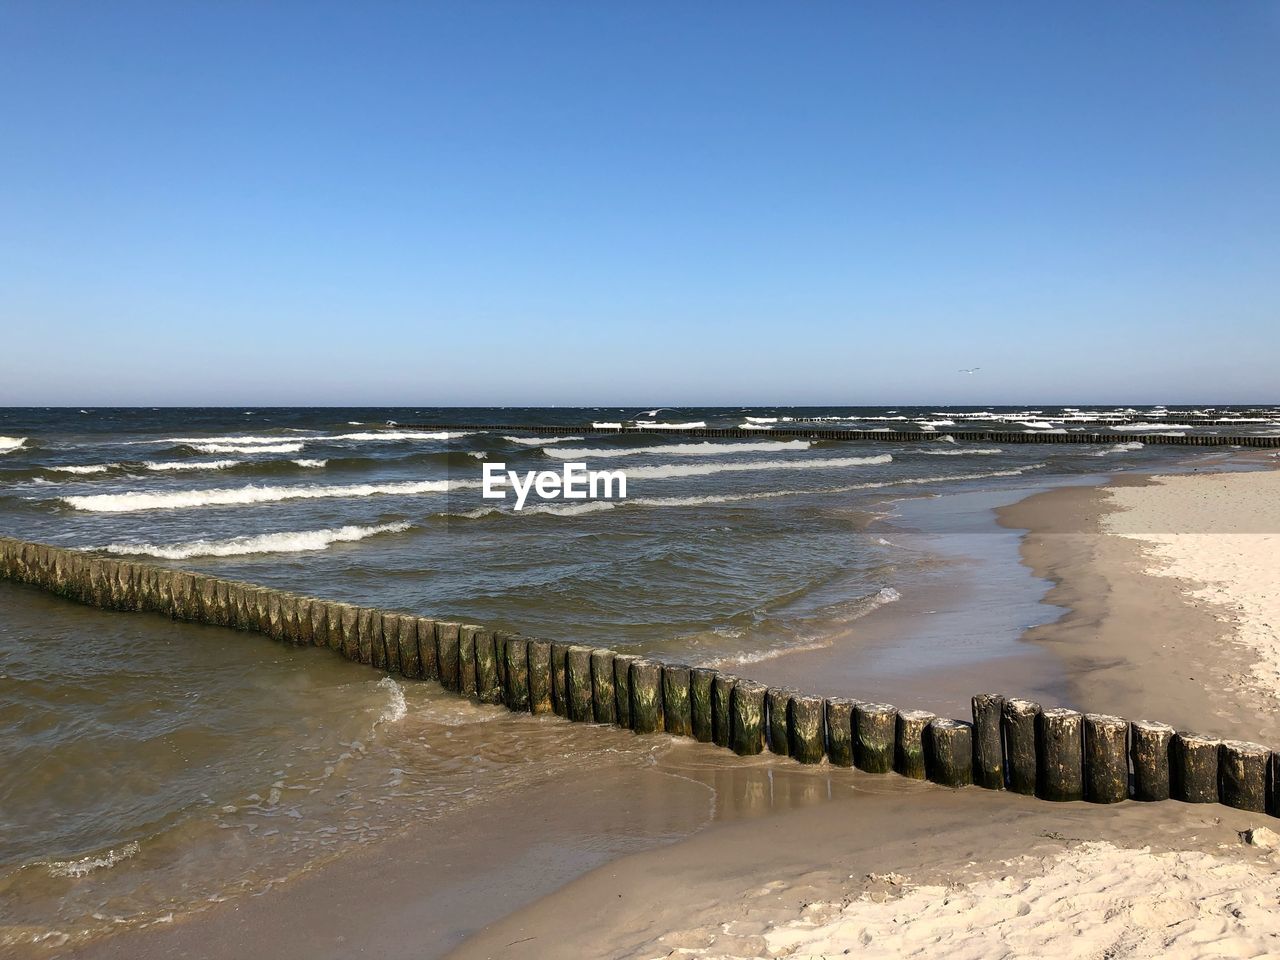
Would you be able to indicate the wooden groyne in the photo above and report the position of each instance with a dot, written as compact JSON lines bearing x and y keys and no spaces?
{"x":1014,"y":744}
{"x":880,"y":436}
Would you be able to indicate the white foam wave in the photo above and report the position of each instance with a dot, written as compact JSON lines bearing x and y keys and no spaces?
{"x":247,"y":448}
{"x":571,"y":509}
{"x":1143,"y":427}
{"x":311,"y":464}
{"x":540,"y":441}
{"x":1118,"y":448}
{"x":394,"y":435}
{"x":754,"y":426}
{"x":241,"y":439}
{"x":667,"y":471}
{"x":86,"y":468}
{"x":9,"y":444}
{"x":762,"y":419}
{"x":679,"y":449}
{"x":606,"y":425}
{"x":172,"y":465}
{"x":87,"y":865}
{"x":298,"y":541}
{"x":657,"y":425}
{"x":396,"y":709}
{"x":223,"y":497}
{"x":963,"y":452}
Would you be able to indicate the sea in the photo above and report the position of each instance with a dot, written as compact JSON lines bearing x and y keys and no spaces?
{"x":150,"y":770}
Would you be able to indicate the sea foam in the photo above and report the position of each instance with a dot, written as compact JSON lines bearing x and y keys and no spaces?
{"x":222,"y":497}
{"x":295,"y":541}
{"x":540,"y":441}
{"x":669,"y":470}
{"x":9,"y":444}
{"x":164,"y":466}
{"x":679,"y":449}
{"x":247,"y":448}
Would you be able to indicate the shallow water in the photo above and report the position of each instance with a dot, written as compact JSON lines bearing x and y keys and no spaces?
{"x":148,"y":769}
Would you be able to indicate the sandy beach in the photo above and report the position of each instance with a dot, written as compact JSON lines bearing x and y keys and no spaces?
{"x":1168,"y":590}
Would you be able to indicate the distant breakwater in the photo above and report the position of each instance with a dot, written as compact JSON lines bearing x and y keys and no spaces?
{"x":1014,"y":744}
{"x":882,"y":436}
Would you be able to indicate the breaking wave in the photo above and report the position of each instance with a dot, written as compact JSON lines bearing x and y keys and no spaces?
{"x":680,"y":449}
{"x":9,"y":444}
{"x":179,"y":499}
{"x":540,"y":441}
{"x":170,"y":465}
{"x":668,"y":470}
{"x":298,"y":541}
{"x":247,"y":448}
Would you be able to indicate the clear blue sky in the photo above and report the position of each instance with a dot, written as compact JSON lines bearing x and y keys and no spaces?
{"x":641,"y":202}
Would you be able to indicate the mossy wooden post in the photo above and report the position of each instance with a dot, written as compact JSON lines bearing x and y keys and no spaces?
{"x":1242,"y":775}
{"x":488,"y":686}
{"x":908,"y":752}
{"x":577,"y":683}
{"x":1150,"y":754}
{"x":776,"y":702}
{"x":988,"y":746}
{"x":677,"y":715}
{"x":407,"y":641}
{"x":646,"y":696}
{"x":467,"y":659}
{"x":447,"y":644}
{"x":622,"y":687}
{"x":539,"y":676}
{"x":1194,"y":772}
{"x":700,"y":680}
{"x":516,"y":655}
{"x":805,"y":728}
{"x":746,"y":718}
{"x":350,"y":633}
{"x":604,"y":697}
{"x":428,"y":650}
{"x":1273,"y":785}
{"x":559,"y":690}
{"x":391,"y":642}
{"x":721,"y":695}
{"x":1106,"y":758}
{"x":874,"y":733}
{"x":1060,"y":744}
{"x":364,"y":633}
{"x":949,"y":752}
{"x":304,"y":631}
{"x":840,"y":731}
{"x":1020,"y":763}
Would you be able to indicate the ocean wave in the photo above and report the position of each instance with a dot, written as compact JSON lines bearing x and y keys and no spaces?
{"x":668,"y":471}
{"x":754,"y":426}
{"x":75,"y":869}
{"x":606,"y":425}
{"x":164,"y":466}
{"x":296,"y":541}
{"x":310,"y":464}
{"x":1118,"y":448}
{"x":223,"y":497}
{"x":393,"y":435}
{"x":762,"y":419}
{"x":247,"y":448}
{"x":10,"y":444}
{"x":540,"y":441}
{"x":241,"y":439}
{"x":1143,"y":427}
{"x":87,"y":468}
{"x":963,"y":452}
{"x":658,"y":425}
{"x":679,"y":449}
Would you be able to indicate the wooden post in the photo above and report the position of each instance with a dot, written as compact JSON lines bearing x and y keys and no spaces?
{"x":700,"y":681}
{"x":1273,"y":785}
{"x":777,"y":700}
{"x":447,"y":643}
{"x":646,"y":696}
{"x":908,"y":754}
{"x":540,"y":676}
{"x":406,"y":638}
{"x":805,"y":728}
{"x":350,"y":629}
{"x":604,"y":697}
{"x":1020,"y":762}
{"x":721,"y":695}
{"x":988,"y":744}
{"x":559,"y":690}
{"x":488,"y":686}
{"x":1060,"y":746}
{"x":676,"y":711}
{"x":467,"y":659}
{"x":1194,"y":772}
{"x":1106,"y":758}
{"x":428,"y":650}
{"x":1150,"y":755}
{"x":622,"y":687}
{"x":874,"y":734}
{"x":949,"y":752}
{"x":746,"y":718}
{"x":1242,"y":775}
{"x":516,"y":653}
{"x":577,"y":682}
{"x":839,"y":731}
